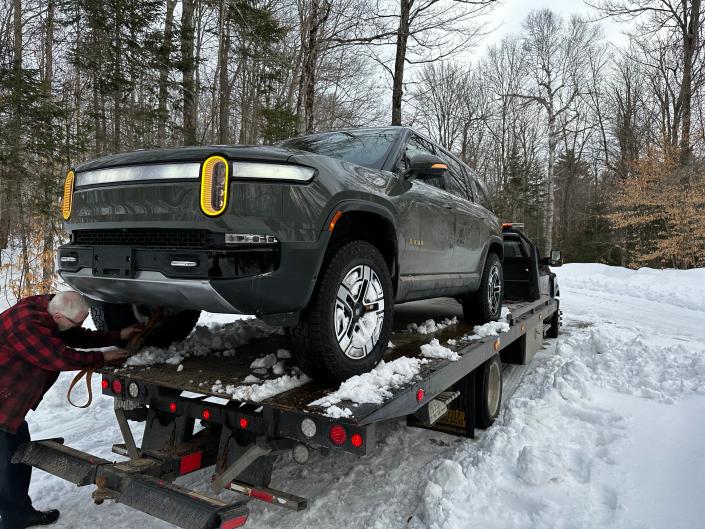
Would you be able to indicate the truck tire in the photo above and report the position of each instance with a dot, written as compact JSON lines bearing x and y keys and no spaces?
{"x":176,"y":326}
{"x":488,"y":396}
{"x":346,"y":327}
{"x":485,"y":304}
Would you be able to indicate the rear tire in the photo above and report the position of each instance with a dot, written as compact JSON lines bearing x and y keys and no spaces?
{"x":174,"y":327}
{"x":488,"y":392}
{"x":346,"y":327}
{"x":485,"y":304}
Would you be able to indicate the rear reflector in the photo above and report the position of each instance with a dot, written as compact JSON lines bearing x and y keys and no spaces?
{"x":172,"y":407}
{"x":419,"y":395}
{"x":104,"y":383}
{"x":337,"y":434}
{"x":356,"y":440}
{"x":243,"y":423}
{"x":117,"y":386}
{"x":189,"y":463}
{"x":261,"y":495}
{"x":206,"y":414}
{"x":233,"y":522}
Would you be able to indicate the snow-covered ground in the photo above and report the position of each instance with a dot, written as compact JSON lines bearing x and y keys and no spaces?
{"x":606,"y":430}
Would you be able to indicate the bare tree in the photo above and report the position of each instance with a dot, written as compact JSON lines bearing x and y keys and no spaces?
{"x":556,"y":61}
{"x":676,"y":17}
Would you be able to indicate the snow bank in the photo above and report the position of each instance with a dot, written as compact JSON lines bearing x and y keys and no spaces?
{"x":681,"y":288}
{"x":374,"y":386}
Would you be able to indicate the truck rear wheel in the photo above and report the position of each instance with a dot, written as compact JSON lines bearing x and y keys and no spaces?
{"x":345,"y":329}
{"x":488,"y":396}
{"x":485,"y":304}
{"x":175,"y":326}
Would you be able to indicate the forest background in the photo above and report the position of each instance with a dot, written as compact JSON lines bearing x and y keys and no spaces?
{"x":598,"y":148}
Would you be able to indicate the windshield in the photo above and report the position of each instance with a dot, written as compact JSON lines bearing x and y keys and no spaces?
{"x":368,"y":147}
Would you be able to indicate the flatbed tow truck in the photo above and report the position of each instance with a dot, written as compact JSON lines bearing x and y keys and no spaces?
{"x":242,"y":440}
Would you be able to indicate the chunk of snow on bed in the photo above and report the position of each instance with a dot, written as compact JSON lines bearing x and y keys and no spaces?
{"x":283,"y":354}
{"x":430,"y":326}
{"x":278,"y":368}
{"x":251,"y":379}
{"x":336,"y":412}
{"x":220,"y":340}
{"x":180,"y":368}
{"x":435,"y":350}
{"x":265,"y":390}
{"x":492,"y":328}
{"x":264,"y":362}
{"x":376,"y":385}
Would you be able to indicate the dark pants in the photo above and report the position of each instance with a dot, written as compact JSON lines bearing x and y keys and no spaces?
{"x":14,"y":479}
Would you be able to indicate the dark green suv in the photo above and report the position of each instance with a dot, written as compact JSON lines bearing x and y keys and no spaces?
{"x":321,"y":234}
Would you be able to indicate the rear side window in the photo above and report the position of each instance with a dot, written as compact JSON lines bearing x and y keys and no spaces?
{"x":483,"y":197}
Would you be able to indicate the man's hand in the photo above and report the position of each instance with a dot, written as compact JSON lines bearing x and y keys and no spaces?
{"x":132,"y":330}
{"x":116,"y":356}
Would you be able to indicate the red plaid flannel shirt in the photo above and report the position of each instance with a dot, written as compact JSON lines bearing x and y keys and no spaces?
{"x":33,"y":351}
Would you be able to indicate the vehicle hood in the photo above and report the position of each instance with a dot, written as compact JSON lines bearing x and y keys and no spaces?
{"x":191,"y":154}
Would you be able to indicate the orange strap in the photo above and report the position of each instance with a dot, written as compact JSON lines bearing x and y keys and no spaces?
{"x":88,"y":373}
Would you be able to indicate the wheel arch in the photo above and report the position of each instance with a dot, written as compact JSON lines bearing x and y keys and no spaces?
{"x":365,"y":221}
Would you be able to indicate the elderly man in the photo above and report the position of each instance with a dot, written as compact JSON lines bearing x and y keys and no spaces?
{"x":36,"y":336}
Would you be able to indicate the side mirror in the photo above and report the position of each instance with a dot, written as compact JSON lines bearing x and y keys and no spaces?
{"x":554,"y":260}
{"x":424,"y":166}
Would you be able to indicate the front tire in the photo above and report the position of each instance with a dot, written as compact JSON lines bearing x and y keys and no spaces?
{"x":346,"y":327}
{"x":175,"y":326}
{"x":485,"y":304}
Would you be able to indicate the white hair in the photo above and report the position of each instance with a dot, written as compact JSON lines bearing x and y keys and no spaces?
{"x":70,"y":304}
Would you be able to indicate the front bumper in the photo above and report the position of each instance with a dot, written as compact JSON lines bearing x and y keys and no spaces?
{"x":278,"y":283}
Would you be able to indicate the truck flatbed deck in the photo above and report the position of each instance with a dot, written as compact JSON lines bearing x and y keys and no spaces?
{"x":199,"y":374}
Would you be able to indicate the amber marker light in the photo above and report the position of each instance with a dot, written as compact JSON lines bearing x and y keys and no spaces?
{"x":214,"y":185}
{"x":439,"y":166}
{"x":335,"y":219}
{"x":67,"y":202}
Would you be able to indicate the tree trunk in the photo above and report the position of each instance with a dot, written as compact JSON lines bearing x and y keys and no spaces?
{"x":49,"y":220}
{"x":188,"y":68}
{"x":164,"y":67}
{"x":548,"y":220}
{"x":224,"y":83}
{"x":399,"y":60}
{"x":690,"y":45}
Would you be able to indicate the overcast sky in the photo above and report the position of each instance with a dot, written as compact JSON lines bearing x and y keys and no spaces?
{"x":511,"y":13}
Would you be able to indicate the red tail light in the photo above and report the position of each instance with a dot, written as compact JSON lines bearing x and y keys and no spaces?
{"x":419,"y":395}
{"x":104,"y":383}
{"x":117,"y":386}
{"x":337,"y":434}
{"x":206,"y":414}
{"x":261,"y":495}
{"x":243,"y":423}
{"x":172,"y":407}
{"x":356,"y":440}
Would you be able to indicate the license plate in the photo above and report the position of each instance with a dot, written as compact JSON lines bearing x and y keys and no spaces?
{"x":113,"y":261}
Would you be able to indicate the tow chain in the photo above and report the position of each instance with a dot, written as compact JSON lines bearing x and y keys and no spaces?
{"x":133,"y":346}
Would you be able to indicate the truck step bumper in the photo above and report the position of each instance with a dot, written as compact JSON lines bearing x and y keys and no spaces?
{"x":129,"y":484}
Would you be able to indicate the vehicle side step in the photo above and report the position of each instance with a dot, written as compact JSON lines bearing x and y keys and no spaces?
{"x":126,"y":483}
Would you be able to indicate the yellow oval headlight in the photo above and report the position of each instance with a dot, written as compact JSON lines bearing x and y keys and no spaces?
{"x":67,"y":202}
{"x":214,"y":185}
